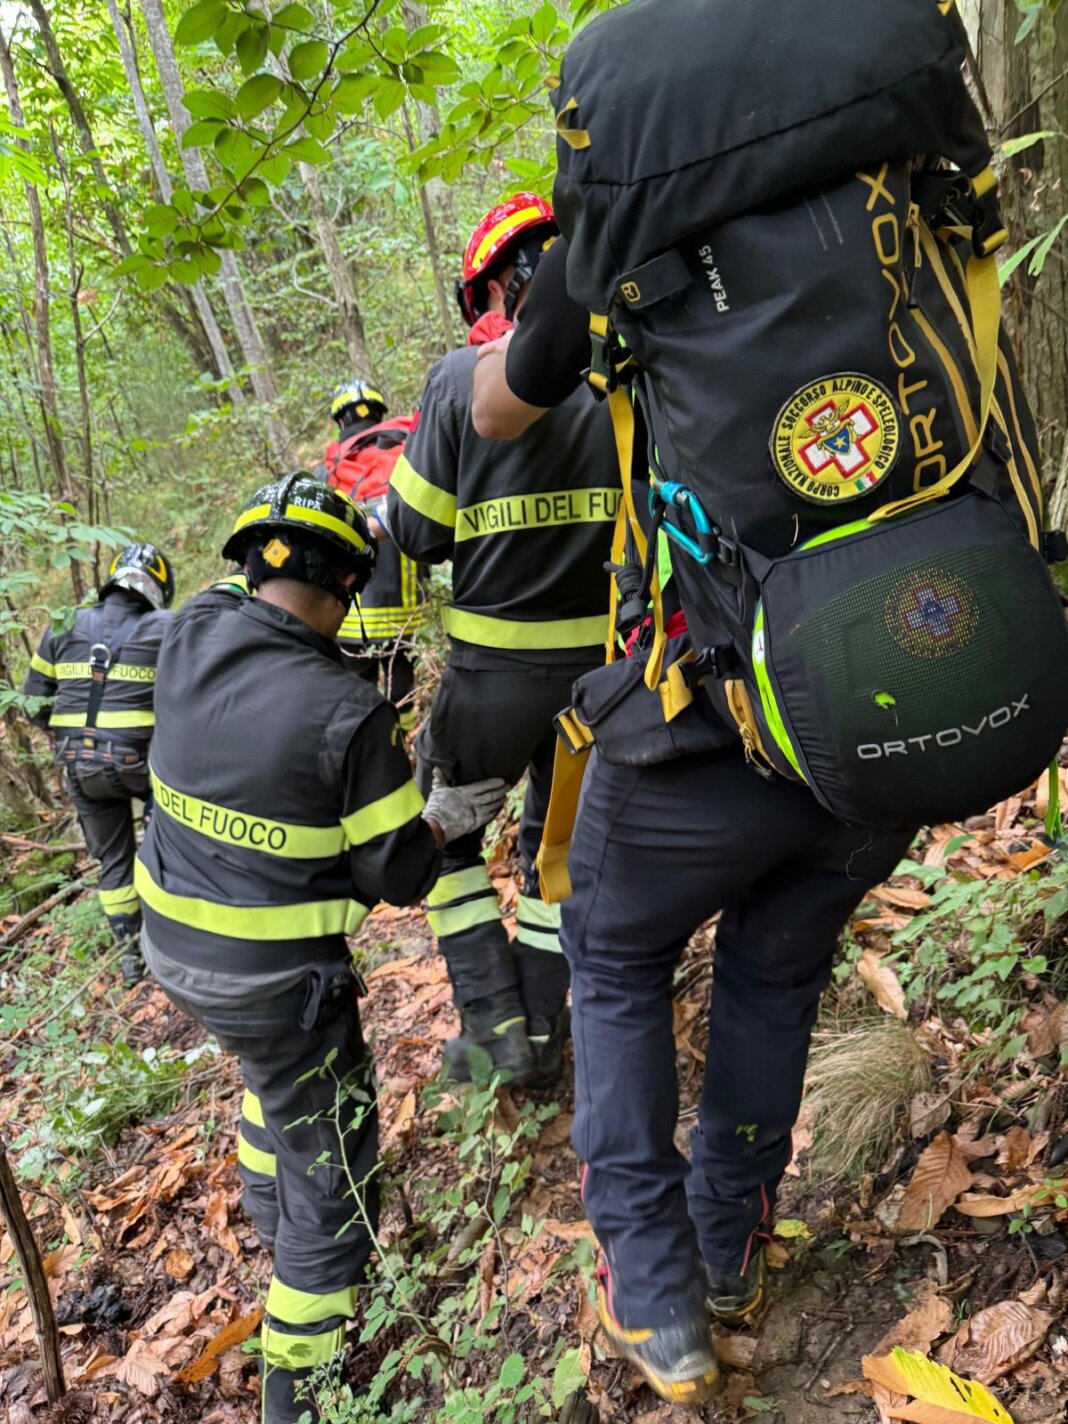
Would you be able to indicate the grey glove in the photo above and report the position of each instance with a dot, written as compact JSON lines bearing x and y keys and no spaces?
{"x":459,"y":810}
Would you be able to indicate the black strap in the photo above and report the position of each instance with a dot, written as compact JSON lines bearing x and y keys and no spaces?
{"x":102,"y":657}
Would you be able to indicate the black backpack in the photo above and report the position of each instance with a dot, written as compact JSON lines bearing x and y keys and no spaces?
{"x":840,"y":450}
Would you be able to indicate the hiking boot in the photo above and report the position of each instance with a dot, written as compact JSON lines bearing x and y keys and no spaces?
{"x":132,"y":965}
{"x":732,"y":1298}
{"x":548,"y":1038}
{"x":677,"y":1360}
{"x":497,"y":1026}
{"x":285,"y":1396}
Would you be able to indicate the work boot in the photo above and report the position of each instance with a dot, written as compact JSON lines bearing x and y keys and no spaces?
{"x":677,"y":1360}
{"x":279,"y":1400}
{"x":733,"y":1297}
{"x":498,"y":1026}
{"x":548,"y":1037}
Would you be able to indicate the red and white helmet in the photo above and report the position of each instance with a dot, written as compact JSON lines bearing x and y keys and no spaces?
{"x":503,"y":227}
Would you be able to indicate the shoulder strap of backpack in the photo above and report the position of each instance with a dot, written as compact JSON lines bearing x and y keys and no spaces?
{"x":984,"y":300}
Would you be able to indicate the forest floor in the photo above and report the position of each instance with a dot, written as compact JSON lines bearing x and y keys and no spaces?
{"x":157,"y":1276}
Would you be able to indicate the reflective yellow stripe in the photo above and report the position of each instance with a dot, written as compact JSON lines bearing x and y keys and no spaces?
{"x":104,"y":719}
{"x":295,"y":1352}
{"x":326,"y":521}
{"x":419,"y":494}
{"x":39,"y":665}
{"x":515,"y":513}
{"x":536,"y":912}
{"x":1036,"y":483}
{"x":120,"y":901}
{"x":252,"y":1109}
{"x":470,"y":881}
{"x":250,"y":516}
{"x":488,"y":632}
{"x":296,"y":1307}
{"x":263,"y":1163}
{"x":242,"y":828}
{"x":455,"y":919}
{"x":121,"y":672}
{"x":386,"y":814}
{"x":499,"y":230}
{"x":310,"y":920}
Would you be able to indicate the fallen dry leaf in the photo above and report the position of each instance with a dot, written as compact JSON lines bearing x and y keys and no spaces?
{"x":976,"y":1205}
{"x":178,"y":1264}
{"x":939,"y":1396}
{"x":997,"y":1340}
{"x":927,"y":1113}
{"x":1015,"y":1149}
{"x":939,"y":1178}
{"x":736,"y":1351}
{"x":776,"y":1255}
{"x":141,"y":1368}
{"x":903,"y":895}
{"x":930,"y":1316}
{"x":236,"y":1333}
{"x":882,"y":983}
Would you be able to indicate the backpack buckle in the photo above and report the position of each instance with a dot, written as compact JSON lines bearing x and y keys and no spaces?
{"x":99,"y":661}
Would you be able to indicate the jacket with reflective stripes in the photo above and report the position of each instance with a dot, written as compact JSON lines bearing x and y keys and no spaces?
{"x":60,"y":671}
{"x":285,"y":805}
{"x":527,"y":523}
{"x":390,"y":604}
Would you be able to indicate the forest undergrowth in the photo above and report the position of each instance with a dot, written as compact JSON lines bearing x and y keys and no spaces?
{"x":927,"y":1204}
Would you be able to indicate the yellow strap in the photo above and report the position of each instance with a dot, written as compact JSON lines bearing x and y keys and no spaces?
{"x":568,"y":771}
{"x":574,"y":138}
{"x":984,"y":299}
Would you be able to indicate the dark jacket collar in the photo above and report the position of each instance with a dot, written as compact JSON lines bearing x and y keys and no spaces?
{"x":269,"y":615}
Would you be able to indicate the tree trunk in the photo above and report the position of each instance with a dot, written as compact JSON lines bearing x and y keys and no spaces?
{"x":199,"y":296}
{"x":196,"y":174}
{"x":351,"y":321}
{"x":42,"y":320}
{"x":445,"y":306}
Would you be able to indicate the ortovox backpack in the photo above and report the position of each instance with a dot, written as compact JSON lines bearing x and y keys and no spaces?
{"x":841,"y":451}
{"x":362,"y":465}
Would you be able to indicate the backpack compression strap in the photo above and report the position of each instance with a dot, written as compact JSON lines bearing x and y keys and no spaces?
{"x":102,"y":657}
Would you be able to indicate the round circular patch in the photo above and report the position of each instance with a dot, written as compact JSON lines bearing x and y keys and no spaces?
{"x":931,"y":614}
{"x":836,"y":439}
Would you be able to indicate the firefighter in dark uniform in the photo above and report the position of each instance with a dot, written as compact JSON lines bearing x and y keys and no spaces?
{"x":378,"y":636}
{"x":96,"y":682}
{"x":528,"y":528}
{"x":656,"y":852}
{"x":285,"y":810}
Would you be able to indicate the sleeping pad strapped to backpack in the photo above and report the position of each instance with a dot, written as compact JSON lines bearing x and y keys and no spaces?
{"x":841,"y":452}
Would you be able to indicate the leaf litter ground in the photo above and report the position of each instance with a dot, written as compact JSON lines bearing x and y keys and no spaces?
{"x":158,"y":1277}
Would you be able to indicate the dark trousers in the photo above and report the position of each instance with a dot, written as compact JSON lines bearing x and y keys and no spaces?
{"x":307,"y":1153}
{"x":656,"y":853}
{"x":102,"y":788}
{"x":497,"y":721}
{"x":394,"y":669}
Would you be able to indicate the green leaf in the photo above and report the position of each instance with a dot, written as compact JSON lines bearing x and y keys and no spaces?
{"x":255,"y":192}
{"x":207,"y":104}
{"x":1009,"y":266}
{"x":275,"y":170}
{"x":257,"y":94}
{"x":759,"y":1405}
{"x":567,"y":1377}
{"x":1038,"y":261}
{"x":322,"y":123}
{"x":308,"y":59}
{"x":198,"y":23}
{"x":134,"y":263}
{"x":543,"y":23}
{"x":202,"y":133}
{"x":251,"y":48}
{"x":1012,"y":146}
{"x":307,"y":150}
{"x":160,"y":220}
{"x":150,"y":279}
{"x":389,"y":96}
{"x":512,"y":1372}
{"x":294,"y":17}
{"x":791,"y":1230}
{"x":352,"y":91}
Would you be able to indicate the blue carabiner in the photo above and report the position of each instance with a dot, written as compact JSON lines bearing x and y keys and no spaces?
{"x":701,"y":549}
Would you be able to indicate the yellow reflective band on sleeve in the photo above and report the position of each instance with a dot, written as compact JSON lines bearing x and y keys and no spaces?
{"x":386,"y":814}
{"x":326,"y":521}
{"x":295,"y":1307}
{"x":296,"y":1352}
{"x":310,"y":920}
{"x":489,"y":632}
{"x":455,"y":919}
{"x":264,"y":1164}
{"x":474,"y":879}
{"x":121,"y":672}
{"x":419,"y":494}
{"x":252,"y":1109}
{"x":105,"y":720}
{"x":39,"y":665}
{"x":122,"y":900}
{"x":519,"y":512}
{"x":250,"y":832}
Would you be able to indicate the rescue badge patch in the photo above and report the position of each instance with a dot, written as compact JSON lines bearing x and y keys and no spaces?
{"x":836,"y":439}
{"x":931,"y":614}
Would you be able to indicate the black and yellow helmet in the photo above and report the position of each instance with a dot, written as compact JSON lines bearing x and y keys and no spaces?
{"x":141,"y":569}
{"x":357,"y":400}
{"x":302,"y":529}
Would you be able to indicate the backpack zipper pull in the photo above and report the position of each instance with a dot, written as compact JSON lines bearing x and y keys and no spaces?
{"x":912,"y":224}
